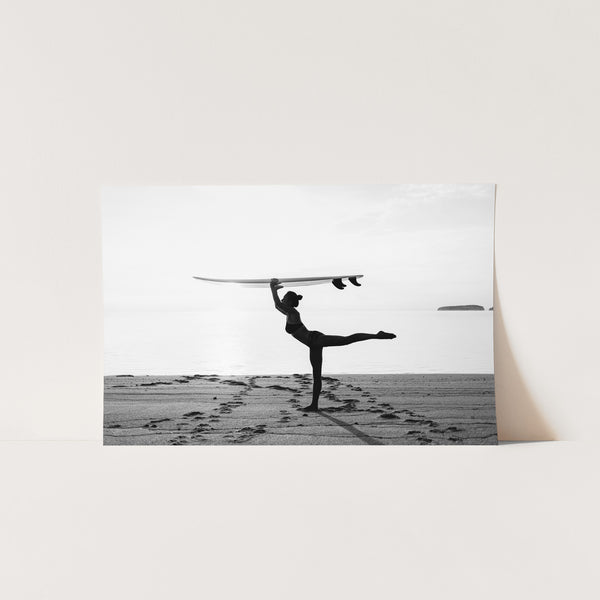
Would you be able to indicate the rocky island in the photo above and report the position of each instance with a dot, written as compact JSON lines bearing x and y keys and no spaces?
{"x":462,"y":307}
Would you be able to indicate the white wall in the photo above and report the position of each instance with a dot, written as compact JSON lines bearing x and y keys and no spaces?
{"x":124,"y":92}
{"x":232,"y":91}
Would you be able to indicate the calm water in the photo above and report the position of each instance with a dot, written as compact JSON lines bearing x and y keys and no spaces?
{"x":162,"y":342}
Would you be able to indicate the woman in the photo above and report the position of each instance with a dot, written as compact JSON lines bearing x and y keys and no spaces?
{"x":315,"y":340}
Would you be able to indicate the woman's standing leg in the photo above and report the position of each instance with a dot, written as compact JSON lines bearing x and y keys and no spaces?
{"x":316,"y":360}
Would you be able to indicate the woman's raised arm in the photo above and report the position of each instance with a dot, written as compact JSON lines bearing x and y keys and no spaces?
{"x":275,"y":285}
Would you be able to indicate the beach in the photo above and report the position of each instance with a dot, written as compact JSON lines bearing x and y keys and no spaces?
{"x":426,"y":409}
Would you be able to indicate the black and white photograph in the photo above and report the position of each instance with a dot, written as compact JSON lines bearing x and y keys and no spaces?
{"x":299,"y":315}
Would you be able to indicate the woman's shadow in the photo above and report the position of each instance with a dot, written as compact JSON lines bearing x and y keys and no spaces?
{"x":367,"y":439}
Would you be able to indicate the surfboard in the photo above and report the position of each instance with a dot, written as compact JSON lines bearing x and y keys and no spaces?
{"x":336,"y":280}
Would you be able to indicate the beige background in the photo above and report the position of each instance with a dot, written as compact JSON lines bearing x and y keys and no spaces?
{"x":125,"y":92}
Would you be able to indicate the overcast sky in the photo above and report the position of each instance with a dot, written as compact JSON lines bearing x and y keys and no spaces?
{"x":419,"y":246}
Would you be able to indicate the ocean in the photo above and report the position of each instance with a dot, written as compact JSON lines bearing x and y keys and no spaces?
{"x":226,"y":342}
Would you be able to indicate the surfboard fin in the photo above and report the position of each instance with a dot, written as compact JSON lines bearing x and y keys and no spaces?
{"x":338,"y":284}
{"x":353,"y":281}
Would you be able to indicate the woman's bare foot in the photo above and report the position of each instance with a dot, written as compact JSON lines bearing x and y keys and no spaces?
{"x":311,"y":408}
{"x":384,"y":335}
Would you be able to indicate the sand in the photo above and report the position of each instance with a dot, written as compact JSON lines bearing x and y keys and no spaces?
{"x":266,"y":410}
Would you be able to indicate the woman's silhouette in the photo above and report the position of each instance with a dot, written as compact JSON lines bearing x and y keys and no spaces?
{"x":315,"y":340}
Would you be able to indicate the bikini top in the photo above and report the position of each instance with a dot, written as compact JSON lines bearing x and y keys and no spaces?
{"x":291,"y":327}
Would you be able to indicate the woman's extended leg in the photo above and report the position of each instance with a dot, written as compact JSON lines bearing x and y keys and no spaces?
{"x":316,"y":360}
{"x":344,"y":340}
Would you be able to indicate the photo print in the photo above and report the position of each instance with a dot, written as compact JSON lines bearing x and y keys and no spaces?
{"x":301,"y":315}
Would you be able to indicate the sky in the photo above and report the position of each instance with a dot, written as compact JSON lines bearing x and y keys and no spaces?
{"x":418,"y":246}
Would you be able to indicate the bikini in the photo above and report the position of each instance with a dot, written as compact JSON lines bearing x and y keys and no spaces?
{"x":310,"y":339}
{"x":291,"y":327}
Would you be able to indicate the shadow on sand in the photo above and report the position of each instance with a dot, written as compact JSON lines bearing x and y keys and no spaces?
{"x":363,"y":437}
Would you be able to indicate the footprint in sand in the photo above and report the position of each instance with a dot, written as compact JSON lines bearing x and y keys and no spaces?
{"x":424,"y":440}
{"x":234,"y":382}
{"x":180,"y":440}
{"x":226,"y":408}
{"x":152,"y":424}
{"x":347,"y":406}
{"x":282,"y":388}
{"x":202,"y":427}
{"x":248,"y":433}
